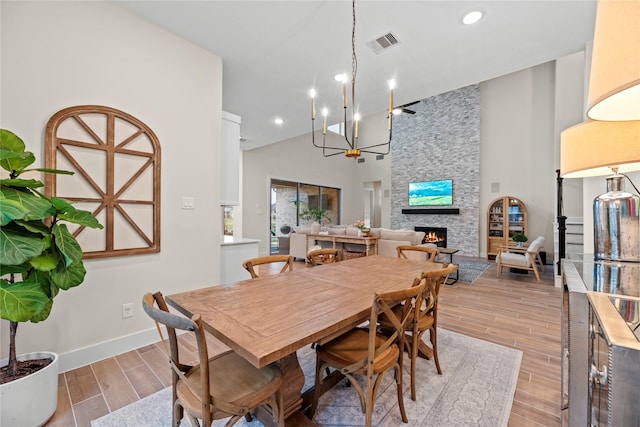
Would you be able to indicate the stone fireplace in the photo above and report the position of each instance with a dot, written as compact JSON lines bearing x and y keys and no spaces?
{"x":435,"y":235}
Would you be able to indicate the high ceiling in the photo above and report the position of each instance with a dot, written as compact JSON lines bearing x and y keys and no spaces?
{"x":275,"y":51}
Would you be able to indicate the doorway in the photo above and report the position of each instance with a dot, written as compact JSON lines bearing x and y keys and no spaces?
{"x":372,"y":194}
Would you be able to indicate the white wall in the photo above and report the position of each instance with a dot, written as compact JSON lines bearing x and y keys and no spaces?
{"x":60,"y":54}
{"x":517,"y":150}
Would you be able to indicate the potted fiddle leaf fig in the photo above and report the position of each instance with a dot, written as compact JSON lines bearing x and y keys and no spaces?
{"x":39,"y":257}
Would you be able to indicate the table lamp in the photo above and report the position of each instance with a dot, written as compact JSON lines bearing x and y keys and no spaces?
{"x":595,"y":148}
{"x":614,"y":83}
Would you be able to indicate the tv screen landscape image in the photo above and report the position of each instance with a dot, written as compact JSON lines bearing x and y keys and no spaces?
{"x":431,"y":193}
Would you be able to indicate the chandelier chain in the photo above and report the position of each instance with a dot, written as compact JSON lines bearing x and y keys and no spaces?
{"x":354,"y":59}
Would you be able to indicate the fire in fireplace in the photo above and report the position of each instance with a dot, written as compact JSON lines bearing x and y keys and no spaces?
{"x":436,"y":235}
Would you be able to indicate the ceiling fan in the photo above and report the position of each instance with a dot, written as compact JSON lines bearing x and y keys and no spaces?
{"x":403,"y":108}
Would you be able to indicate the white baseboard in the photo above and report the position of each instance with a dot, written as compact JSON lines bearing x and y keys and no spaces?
{"x":104,"y":350}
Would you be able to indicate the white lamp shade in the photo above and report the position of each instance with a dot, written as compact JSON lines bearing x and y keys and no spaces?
{"x":592,"y":148}
{"x":614,"y":84}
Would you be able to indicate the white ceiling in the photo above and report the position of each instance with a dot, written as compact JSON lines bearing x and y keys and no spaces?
{"x":275,"y":51}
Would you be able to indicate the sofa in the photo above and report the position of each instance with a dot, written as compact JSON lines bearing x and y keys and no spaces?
{"x":388,"y":240}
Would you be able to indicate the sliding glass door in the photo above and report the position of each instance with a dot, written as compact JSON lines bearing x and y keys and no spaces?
{"x":288,"y":202}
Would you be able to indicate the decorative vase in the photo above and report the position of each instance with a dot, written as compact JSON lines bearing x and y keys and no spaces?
{"x":519,"y":244}
{"x":359,"y":232}
{"x":617,"y":223}
{"x":315,"y":227}
{"x":31,"y":400}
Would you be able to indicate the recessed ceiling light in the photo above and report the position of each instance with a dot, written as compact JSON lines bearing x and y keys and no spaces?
{"x":472,"y":17}
{"x":278,"y":121}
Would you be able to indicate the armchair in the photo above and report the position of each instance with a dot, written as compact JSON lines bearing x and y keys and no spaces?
{"x":521,"y":258}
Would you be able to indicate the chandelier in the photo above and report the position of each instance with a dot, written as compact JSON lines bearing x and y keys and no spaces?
{"x":351,"y":149}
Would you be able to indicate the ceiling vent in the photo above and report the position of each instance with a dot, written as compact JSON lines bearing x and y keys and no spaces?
{"x":383,"y":42}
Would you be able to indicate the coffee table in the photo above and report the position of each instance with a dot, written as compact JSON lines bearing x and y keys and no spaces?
{"x":450,"y":252}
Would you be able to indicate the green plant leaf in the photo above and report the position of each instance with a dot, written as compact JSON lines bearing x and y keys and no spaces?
{"x":22,"y":183}
{"x":19,"y":245}
{"x":68,"y":276}
{"x":62,"y":205}
{"x":9,"y":141}
{"x":37,"y":206}
{"x":8,"y":154}
{"x":36,"y":226}
{"x":13,"y":269}
{"x":44,"y":278}
{"x":10,"y":210}
{"x":67,"y":245}
{"x":44,"y":313}
{"x":21,"y":301}
{"x":56,"y":171}
{"x":85,"y":218}
{"x":45,"y":261}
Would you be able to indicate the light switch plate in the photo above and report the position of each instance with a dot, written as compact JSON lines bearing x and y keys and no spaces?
{"x":188,"y":203}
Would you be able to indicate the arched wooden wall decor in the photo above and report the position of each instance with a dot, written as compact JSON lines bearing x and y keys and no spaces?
{"x":116,"y":160}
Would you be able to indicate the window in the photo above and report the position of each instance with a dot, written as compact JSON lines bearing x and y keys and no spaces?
{"x":289,"y":199}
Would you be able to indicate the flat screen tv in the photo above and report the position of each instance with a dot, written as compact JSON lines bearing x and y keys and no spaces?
{"x":431,"y":193}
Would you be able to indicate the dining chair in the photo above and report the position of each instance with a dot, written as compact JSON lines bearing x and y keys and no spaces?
{"x":225,"y":385}
{"x":364,"y":351}
{"x":323,"y":256}
{"x":426,"y":319}
{"x":418,"y":253}
{"x":251,"y":263}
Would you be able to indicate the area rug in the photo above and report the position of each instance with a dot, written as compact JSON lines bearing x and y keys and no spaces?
{"x":469,"y":271}
{"x":476,"y":388}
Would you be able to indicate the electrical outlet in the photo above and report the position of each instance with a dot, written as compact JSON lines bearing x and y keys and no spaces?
{"x":127,"y":310}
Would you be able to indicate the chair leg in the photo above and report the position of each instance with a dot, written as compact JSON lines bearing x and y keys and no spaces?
{"x":398,"y":374}
{"x":535,"y":270}
{"x":178,"y":413}
{"x":415,"y":343}
{"x":434,"y":345}
{"x":369,"y":399}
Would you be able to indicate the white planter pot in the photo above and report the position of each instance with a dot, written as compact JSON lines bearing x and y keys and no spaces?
{"x":32,"y":400}
{"x":315,"y":228}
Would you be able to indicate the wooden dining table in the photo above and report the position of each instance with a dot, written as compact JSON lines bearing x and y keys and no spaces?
{"x":267,"y":319}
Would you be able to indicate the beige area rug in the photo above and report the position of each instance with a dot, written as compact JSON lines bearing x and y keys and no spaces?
{"x":476,"y":389}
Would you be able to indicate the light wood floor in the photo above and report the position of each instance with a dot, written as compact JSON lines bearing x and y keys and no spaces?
{"x":512,"y":310}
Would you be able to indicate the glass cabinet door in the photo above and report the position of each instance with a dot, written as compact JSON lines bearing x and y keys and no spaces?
{"x":516,"y":217}
{"x":496,"y":219}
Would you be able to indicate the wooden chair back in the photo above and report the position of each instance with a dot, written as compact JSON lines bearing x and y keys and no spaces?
{"x":161,"y":316}
{"x":323,"y":256}
{"x":418,"y":252}
{"x":370,"y":353}
{"x":251,"y":263}
{"x":221,"y":387}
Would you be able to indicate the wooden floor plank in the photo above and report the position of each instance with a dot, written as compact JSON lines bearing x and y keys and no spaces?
{"x":115,"y":386}
{"x":82,"y":384}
